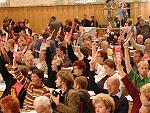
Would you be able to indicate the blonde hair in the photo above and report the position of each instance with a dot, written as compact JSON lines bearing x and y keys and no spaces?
{"x":146,"y":41}
{"x":142,"y":62}
{"x":145,"y":89}
{"x":106,"y":99}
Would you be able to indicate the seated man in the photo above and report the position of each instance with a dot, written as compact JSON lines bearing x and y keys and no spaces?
{"x":61,"y":54}
{"x":42,"y":104}
{"x":68,"y":100}
{"x":80,"y":85}
{"x":141,"y":97}
{"x":121,"y":103}
{"x":143,"y":68}
{"x":40,"y":62}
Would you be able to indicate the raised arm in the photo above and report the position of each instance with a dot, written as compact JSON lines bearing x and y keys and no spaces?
{"x":4,"y":53}
{"x":136,"y":45}
{"x":19,"y":76}
{"x":4,"y":72}
{"x":131,"y":88}
{"x":93,"y":49}
{"x":93,"y":86}
{"x":127,"y":57}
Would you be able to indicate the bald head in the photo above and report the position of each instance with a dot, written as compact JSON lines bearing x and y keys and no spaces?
{"x":113,"y":84}
{"x":114,"y":80}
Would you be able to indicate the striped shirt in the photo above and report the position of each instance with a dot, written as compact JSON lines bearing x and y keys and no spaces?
{"x":32,"y":90}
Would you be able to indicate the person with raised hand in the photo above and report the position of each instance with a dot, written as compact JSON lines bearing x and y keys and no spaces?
{"x":34,"y":87}
{"x":42,"y":42}
{"x":138,"y":79}
{"x":144,"y":48}
{"x":140,"y":96}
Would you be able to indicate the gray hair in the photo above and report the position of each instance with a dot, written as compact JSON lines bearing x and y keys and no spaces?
{"x":42,"y":101}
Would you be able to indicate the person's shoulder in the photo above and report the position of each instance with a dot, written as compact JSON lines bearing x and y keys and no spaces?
{"x":84,"y":92}
{"x":45,"y":88}
{"x":72,"y":92}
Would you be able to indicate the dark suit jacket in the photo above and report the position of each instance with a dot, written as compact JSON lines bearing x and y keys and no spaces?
{"x":121,"y":104}
{"x":86,"y":23}
{"x":55,"y":25}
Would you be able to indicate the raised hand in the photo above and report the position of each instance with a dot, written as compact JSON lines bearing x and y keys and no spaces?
{"x":2,"y":49}
{"x":129,"y":34}
{"x":59,"y":31}
{"x":92,"y":65}
{"x":118,"y":64}
{"x":14,"y":63}
{"x":49,"y":38}
{"x":93,"y":49}
{"x":76,"y":49}
{"x":126,"y":45}
{"x":94,"y":44}
{"x":68,"y":36}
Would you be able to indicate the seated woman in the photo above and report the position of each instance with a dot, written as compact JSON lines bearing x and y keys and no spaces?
{"x":110,"y":70}
{"x":103,"y":103}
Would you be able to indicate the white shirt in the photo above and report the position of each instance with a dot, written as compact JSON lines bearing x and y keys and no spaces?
{"x":100,"y":73}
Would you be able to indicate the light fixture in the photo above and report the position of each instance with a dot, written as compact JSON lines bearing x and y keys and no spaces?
{"x":2,"y":1}
{"x":86,"y":1}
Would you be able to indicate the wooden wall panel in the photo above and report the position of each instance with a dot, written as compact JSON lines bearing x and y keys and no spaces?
{"x":38,"y":16}
{"x":140,"y":9}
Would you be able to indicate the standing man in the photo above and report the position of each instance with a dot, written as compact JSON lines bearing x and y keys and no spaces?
{"x":94,"y":22}
{"x":54,"y":26}
{"x":85,"y":22}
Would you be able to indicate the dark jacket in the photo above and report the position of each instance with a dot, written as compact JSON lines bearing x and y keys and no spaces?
{"x":50,"y":81}
{"x":85,"y":102}
{"x":55,"y":25}
{"x":93,"y":86}
{"x":121,"y":104}
{"x":73,"y":58}
{"x":86,"y":23}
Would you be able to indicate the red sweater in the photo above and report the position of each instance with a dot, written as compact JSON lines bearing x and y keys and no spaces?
{"x":134,"y":93}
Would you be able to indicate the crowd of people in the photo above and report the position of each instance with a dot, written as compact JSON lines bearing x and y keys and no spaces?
{"x":52,"y":72}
